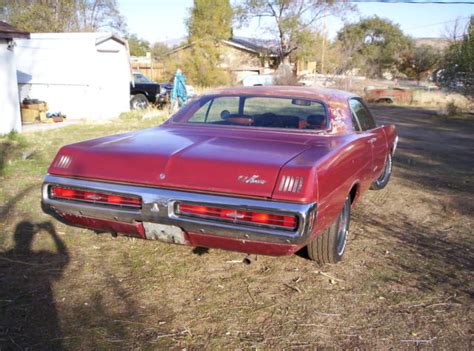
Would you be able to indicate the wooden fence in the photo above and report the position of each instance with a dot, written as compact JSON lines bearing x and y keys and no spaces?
{"x":154,"y":70}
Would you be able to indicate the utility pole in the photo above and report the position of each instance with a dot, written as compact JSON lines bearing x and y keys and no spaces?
{"x":323,"y":48}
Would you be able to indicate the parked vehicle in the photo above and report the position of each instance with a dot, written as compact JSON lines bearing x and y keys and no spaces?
{"x":262,"y":170}
{"x":389,"y":95}
{"x":255,"y":80}
{"x":144,"y":92}
{"x":190,"y":91}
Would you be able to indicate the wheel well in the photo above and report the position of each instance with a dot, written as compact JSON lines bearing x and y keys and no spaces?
{"x":354,"y":192}
{"x":139,"y":93}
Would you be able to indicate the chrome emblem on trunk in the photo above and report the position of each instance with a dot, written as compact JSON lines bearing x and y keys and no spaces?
{"x":155,"y":208}
{"x":251,"y":180}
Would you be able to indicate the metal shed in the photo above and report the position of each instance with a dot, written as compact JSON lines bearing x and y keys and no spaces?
{"x":10,"y":119}
{"x":82,"y":75}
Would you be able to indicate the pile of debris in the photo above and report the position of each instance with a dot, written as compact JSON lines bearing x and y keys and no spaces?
{"x":36,"y":111}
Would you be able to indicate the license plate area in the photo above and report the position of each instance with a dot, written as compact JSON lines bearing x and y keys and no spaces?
{"x":165,"y":232}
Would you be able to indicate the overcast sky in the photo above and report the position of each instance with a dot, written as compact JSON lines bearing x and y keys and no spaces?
{"x":164,"y":19}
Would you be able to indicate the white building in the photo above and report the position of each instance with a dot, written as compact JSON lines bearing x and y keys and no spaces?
{"x":81,"y":75}
{"x":10,"y":119}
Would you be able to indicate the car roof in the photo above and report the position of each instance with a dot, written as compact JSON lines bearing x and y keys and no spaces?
{"x":326,"y":95}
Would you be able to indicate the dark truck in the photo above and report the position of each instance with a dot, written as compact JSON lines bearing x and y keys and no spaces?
{"x":144,"y":92}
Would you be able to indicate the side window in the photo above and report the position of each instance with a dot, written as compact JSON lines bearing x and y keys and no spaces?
{"x":355,"y":122}
{"x":140,"y":78}
{"x":221,"y":105}
{"x":200,"y":115}
{"x":363,"y":115}
{"x":214,"y":109}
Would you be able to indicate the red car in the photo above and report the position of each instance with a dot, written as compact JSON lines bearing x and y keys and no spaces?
{"x":261,"y":170}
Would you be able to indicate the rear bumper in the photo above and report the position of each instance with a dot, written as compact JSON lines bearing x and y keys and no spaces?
{"x":159,"y":207}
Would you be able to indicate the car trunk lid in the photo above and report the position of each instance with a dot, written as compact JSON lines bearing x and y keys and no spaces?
{"x":220,"y":160}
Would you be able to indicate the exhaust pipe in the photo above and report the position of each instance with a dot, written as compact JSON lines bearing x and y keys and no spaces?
{"x":249,"y":259}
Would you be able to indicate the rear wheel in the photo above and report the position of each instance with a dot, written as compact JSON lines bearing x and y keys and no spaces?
{"x":382,"y":181}
{"x":329,"y":246}
{"x":139,"y":102}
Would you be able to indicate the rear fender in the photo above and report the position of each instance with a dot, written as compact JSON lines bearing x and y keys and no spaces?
{"x":392,"y":137}
{"x":336,"y":179}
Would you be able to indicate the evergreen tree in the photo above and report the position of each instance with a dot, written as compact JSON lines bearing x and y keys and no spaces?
{"x":210,"y":19}
{"x":209,"y":22}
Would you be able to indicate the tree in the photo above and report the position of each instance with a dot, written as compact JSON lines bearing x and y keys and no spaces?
{"x":377,"y":45}
{"x":457,"y":67}
{"x":63,"y":15}
{"x":210,"y":19}
{"x":416,"y":63}
{"x":292,"y":22}
{"x":137,"y":46}
{"x":159,"y":50}
{"x":209,"y":22}
{"x":97,"y":15}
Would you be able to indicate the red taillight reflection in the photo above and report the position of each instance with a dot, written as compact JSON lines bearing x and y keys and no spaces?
{"x":57,"y":192}
{"x":277,"y":220}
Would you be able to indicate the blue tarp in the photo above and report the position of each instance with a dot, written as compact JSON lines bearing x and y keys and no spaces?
{"x":179,"y":89}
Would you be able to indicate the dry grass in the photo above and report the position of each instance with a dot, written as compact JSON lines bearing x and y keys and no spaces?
{"x":448,"y":104}
{"x":405,"y":283}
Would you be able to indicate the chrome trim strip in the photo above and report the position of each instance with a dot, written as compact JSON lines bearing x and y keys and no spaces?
{"x":164,"y":201}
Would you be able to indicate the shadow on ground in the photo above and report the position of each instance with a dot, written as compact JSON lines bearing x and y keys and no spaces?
{"x":434,"y":152}
{"x":436,"y":259}
{"x":29,"y":317}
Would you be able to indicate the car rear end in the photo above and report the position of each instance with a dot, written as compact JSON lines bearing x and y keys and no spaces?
{"x":182,"y":217}
{"x":218,"y":184}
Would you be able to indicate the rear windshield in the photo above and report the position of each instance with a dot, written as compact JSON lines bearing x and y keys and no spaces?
{"x":261,"y":111}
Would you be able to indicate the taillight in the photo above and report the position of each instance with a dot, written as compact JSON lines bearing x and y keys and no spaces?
{"x":58,"y":192}
{"x":238,"y":216}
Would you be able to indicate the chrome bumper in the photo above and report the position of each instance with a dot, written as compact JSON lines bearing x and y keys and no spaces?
{"x":159,"y":206}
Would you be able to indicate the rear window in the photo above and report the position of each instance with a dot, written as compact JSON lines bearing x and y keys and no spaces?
{"x":261,"y":111}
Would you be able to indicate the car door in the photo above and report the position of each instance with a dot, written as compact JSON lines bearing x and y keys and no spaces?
{"x":375,"y":134}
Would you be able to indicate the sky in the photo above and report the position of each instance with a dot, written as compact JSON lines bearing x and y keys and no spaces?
{"x":161,"y":20}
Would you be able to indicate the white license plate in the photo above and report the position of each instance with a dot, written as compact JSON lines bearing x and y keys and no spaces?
{"x":164,"y":232}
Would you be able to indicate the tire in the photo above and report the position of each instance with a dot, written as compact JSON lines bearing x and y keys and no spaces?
{"x":382,"y":181}
{"x":139,"y":102}
{"x":329,"y":246}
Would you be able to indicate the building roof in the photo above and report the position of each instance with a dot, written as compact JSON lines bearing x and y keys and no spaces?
{"x":267,"y":46}
{"x":256,"y":46}
{"x":97,"y":37}
{"x":7,"y":31}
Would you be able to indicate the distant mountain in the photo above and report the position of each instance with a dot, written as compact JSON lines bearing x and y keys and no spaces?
{"x":439,"y":43}
{"x":171,"y":43}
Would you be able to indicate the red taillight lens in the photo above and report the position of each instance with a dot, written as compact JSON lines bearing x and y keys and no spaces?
{"x":57,"y":192}
{"x":251,"y":217}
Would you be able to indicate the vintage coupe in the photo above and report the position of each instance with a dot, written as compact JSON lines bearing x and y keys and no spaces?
{"x":260,"y":170}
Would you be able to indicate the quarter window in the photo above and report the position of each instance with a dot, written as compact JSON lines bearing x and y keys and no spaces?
{"x":362,"y":114}
{"x":215,"y":110}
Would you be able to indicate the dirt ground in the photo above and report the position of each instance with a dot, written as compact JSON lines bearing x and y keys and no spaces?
{"x":406,"y":281}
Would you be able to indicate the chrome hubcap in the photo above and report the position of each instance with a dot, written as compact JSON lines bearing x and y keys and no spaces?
{"x":140,"y":104}
{"x":386,"y":171}
{"x":343,"y":229}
